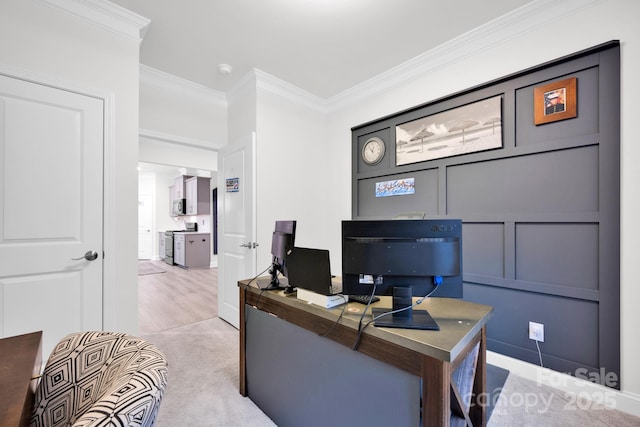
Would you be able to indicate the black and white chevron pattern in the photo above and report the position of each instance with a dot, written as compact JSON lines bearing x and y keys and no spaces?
{"x":99,"y":379}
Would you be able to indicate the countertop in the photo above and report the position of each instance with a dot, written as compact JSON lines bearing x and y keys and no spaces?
{"x":191,"y":232}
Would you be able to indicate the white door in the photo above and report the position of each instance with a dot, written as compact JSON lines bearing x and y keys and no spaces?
{"x":51,"y":197}
{"x":237,"y":223}
{"x":145,"y":225}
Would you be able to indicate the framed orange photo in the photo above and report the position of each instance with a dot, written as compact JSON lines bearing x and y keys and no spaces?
{"x":555,"y":101}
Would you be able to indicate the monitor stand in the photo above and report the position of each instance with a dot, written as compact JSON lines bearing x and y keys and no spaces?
{"x":408,"y":318}
{"x":274,"y":284}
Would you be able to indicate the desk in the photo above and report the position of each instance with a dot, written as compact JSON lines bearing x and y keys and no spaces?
{"x":20,"y":361}
{"x":431,"y":357}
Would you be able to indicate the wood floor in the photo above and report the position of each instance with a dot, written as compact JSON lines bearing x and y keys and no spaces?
{"x":176,"y":296}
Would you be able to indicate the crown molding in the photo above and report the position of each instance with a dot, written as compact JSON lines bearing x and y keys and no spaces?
{"x":246,"y":86}
{"x":171,"y":83}
{"x":106,"y":15}
{"x":181,"y":140}
{"x":276,"y":86}
{"x":523,"y":20}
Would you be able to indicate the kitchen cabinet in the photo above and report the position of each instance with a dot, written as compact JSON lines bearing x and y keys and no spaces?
{"x":197,"y":195}
{"x":192,"y":249}
{"x":178,"y":249}
{"x":161,"y":251}
{"x":178,"y":192}
{"x":172,"y":197}
{"x":179,"y":187}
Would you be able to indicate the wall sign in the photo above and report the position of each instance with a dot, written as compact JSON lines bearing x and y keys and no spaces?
{"x":397,"y":187}
{"x":233,"y":185}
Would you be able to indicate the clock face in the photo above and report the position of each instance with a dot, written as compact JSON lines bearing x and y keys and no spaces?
{"x":373,"y":151}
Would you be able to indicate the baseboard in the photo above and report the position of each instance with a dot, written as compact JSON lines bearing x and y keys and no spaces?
{"x":615,"y":399}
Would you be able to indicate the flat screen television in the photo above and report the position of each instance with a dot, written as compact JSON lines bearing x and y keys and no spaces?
{"x":402,"y":259}
{"x":282,"y":241}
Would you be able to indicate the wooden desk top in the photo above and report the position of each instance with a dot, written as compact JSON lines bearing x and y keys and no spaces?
{"x":20,"y":361}
{"x":460,"y":321}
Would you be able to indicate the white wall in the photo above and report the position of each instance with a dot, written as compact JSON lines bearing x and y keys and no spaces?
{"x":173,"y":106}
{"x":162,"y":152}
{"x":39,"y":39}
{"x":488,"y":56}
{"x":294,"y":167}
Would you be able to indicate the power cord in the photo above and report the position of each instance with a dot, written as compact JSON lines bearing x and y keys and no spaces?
{"x":344,"y":306}
{"x":261,"y":289}
{"x":539,"y":353}
{"x":255,"y":277}
{"x":360,"y":327}
{"x":437,"y":280}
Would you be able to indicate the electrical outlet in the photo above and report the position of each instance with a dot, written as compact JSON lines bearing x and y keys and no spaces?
{"x":536,"y":331}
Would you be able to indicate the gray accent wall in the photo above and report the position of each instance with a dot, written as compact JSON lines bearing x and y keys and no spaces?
{"x":541,"y":214}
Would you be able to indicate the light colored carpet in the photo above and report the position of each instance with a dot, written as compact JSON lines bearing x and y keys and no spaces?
{"x":203,"y":388}
{"x":203,"y":377}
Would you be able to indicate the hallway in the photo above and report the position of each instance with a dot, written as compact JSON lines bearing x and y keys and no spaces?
{"x":170,"y":296}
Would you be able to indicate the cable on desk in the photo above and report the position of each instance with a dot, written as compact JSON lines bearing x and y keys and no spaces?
{"x":261,"y":289}
{"x":360,"y":328}
{"x":409,"y":307}
{"x":344,"y":306}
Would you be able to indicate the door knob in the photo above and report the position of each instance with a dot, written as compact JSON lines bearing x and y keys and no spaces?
{"x":89,"y":256}
{"x":246,"y":245}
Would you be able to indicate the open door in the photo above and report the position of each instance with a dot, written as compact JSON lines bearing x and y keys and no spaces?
{"x":237,"y":252}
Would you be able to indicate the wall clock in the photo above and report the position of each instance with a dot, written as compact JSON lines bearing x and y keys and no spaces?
{"x":373,"y":151}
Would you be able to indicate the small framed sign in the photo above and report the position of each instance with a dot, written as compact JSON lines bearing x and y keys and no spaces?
{"x":555,"y":101}
{"x":396,"y":187}
{"x":233,"y":185}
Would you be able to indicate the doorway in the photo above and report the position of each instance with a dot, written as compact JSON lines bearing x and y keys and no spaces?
{"x":161,"y":303}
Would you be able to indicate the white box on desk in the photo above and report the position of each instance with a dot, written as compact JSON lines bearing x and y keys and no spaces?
{"x":326,"y":301}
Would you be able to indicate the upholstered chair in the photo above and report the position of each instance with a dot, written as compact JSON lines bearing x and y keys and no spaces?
{"x":100,"y":379}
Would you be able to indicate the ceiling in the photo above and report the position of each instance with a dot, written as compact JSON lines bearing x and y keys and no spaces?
{"x":322,"y":46}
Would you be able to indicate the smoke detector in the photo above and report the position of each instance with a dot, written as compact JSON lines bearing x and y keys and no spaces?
{"x":225,"y":69}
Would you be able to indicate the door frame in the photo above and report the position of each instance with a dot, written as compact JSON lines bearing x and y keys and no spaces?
{"x":109,"y":317}
{"x":152,"y":226}
{"x":231,"y":313}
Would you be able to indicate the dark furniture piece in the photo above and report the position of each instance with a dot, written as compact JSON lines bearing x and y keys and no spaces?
{"x":448,"y":366}
{"x":20,"y":362}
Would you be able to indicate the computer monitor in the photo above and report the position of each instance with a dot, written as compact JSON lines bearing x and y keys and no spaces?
{"x":403,"y":258}
{"x":282,"y":241}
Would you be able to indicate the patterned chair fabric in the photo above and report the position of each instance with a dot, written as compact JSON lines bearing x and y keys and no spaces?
{"x":100,"y":379}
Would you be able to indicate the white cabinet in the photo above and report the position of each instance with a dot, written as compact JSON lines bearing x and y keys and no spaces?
{"x":197,"y":195}
{"x":161,"y":247}
{"x":177,"y":192}
{"x":172,"y":197}
{"x":179,"y":187}
{"x":178,"y":249}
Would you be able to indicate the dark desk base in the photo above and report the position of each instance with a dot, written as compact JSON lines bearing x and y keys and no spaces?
{"x":298,"y":378}
{"x":442,"y":401}
{"x":20,"y":361}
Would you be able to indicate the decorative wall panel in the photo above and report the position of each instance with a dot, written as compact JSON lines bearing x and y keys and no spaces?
{"x":541,"y":213}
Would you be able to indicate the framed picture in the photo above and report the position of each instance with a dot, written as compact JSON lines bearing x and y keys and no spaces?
{"x":462,"y":130}
{"x":555,"y":101}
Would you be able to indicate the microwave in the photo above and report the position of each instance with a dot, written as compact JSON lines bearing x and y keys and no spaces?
{"x":179,"y":207}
